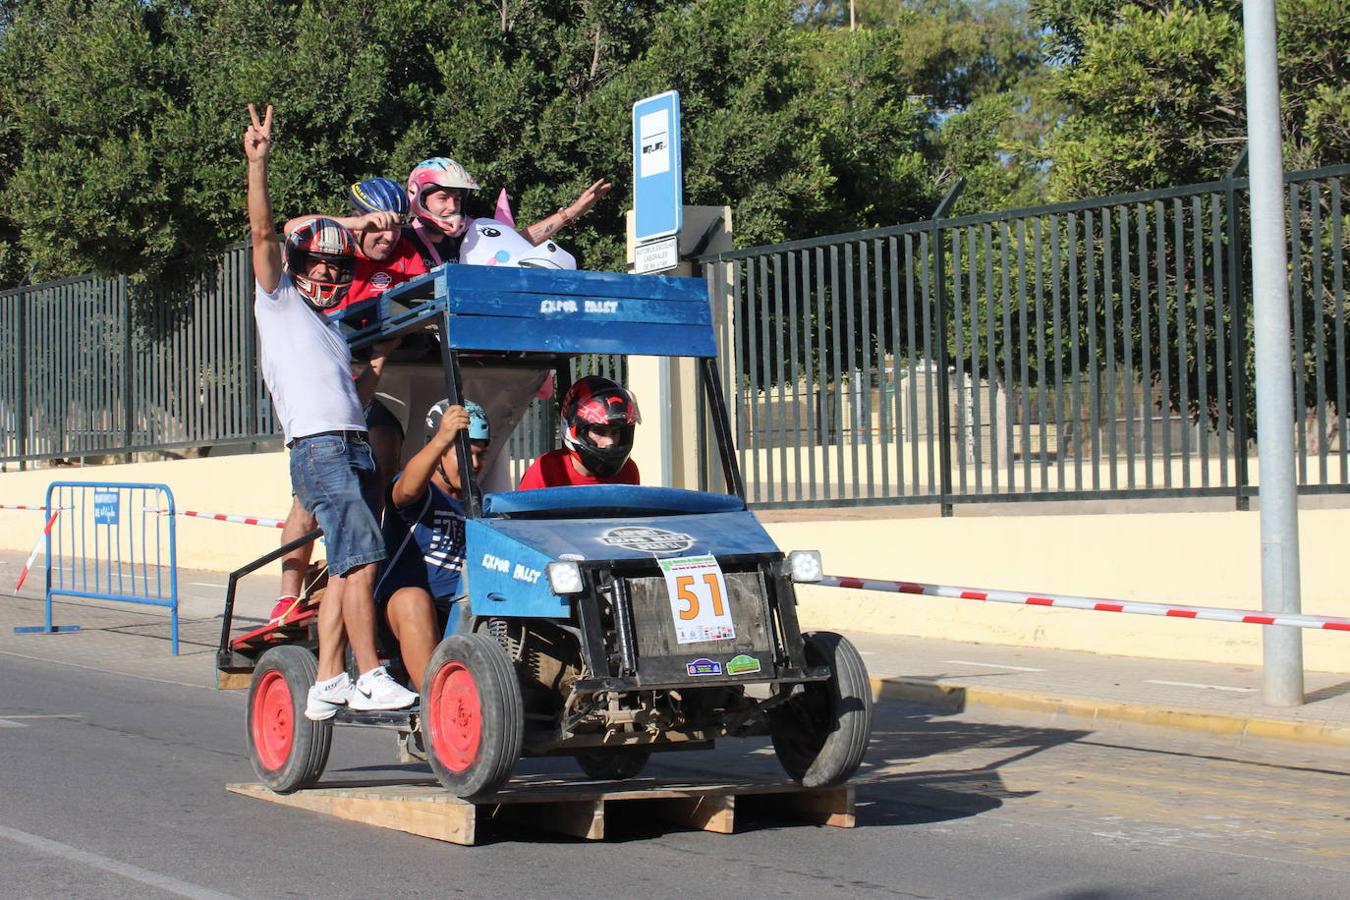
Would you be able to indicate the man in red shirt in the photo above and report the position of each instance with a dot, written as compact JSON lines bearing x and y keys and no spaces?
{"x":598,"y":419}
{"x":385,"y":256}
{"x":374,"y":276}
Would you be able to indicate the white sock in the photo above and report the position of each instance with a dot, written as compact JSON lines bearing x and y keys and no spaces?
{"x":333,"y":682}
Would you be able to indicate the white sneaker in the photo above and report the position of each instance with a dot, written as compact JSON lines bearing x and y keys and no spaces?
{"x":325,"y":697}
{"x":376,"y":690}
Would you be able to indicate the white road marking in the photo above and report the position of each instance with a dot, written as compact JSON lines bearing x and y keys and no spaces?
{"x":126,"y":870}
{"x":966,"y":662}
{"x":43,"y":716}
{"x":10,"y":721}
{"x":1210,"y":687}
{"x":204,"y":584}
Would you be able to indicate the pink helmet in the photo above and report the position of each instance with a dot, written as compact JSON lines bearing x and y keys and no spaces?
{"x":433,"y":174}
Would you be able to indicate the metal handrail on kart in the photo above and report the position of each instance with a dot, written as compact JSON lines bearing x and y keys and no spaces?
{"x":225,"y":657}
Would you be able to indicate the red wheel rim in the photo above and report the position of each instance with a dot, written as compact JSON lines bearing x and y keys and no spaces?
{"x":273,"y":721}
{"x":455,"y":719}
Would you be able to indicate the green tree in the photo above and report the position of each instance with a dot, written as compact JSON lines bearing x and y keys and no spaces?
{"x":1155,"y":89}
{"x":120,"y":124}
{"x":973,"y":78}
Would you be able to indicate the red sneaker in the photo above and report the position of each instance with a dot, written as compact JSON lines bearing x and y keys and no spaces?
{"x":285,"y":608}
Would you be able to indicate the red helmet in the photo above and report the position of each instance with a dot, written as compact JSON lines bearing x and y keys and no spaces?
{"x":323,"y":240}
{"x":593,"y":401}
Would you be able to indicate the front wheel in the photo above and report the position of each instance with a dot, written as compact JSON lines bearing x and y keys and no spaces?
{"x":821,"y":733}
{"x":287,"y":750}
{"x":472,"y":714}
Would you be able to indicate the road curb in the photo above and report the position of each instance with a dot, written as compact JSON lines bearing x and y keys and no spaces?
{"x":953,"y":698}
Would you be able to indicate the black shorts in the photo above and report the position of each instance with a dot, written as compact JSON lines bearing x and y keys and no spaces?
{"x":378,"y":415}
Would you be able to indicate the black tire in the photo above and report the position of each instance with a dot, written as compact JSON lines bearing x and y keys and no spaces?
{"x":287,"y":750}
{"x":612,"y":765}
{"x":472,"y":715}
{"x":821,"y":734}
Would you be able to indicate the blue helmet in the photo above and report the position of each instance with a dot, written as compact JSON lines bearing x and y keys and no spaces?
{"x":478,"y":420}
{"x":377,"y":195}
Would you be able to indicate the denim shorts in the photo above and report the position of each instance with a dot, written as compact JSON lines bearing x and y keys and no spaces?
{"x":334,"y":477}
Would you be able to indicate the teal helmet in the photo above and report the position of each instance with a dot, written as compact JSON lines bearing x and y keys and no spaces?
{"x":478,"y":420}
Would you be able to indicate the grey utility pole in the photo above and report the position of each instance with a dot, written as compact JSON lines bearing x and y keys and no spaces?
{"x":1283,"y":648}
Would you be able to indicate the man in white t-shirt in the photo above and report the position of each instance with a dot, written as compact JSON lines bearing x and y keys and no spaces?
{"x":306,"y":365}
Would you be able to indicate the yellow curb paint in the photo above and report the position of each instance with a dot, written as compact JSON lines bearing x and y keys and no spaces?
{"x":953,"y":698}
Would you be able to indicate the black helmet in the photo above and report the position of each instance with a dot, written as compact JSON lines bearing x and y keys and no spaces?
{"x":595,"y":400}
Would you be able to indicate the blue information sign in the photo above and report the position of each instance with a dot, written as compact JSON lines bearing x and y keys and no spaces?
{"x":105,"y":507}
{"x":658,"y":177}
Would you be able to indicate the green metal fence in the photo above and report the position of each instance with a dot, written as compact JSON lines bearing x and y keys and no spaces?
{"x":1080,"y":350}
{"x":92,"y":366}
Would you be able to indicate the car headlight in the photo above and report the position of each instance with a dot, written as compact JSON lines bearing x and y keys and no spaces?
{"x":804,"y":566}
{"x":565,"y":577}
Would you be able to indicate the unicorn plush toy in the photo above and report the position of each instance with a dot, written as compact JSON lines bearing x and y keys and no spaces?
{"x":491,"y":242}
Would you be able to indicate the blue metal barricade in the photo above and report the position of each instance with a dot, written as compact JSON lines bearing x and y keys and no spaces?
{"x":112,"y":541}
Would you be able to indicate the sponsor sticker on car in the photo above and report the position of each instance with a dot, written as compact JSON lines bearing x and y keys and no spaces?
{"x":703,"y":666}
{"x":742,"y":665}
{"x":645,"y":539}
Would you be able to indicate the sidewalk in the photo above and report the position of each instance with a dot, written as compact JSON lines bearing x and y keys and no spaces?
{"x":1047,"y":686}
{"x":1104,"y":691}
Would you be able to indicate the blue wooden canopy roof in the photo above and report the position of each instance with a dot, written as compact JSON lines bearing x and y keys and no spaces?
{"x":550,"y":311}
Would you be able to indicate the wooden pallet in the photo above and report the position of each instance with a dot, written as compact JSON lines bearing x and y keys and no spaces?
{"x":579,"y":809}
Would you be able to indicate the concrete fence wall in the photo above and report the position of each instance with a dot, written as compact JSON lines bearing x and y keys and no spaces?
{"x":1196,"y":558}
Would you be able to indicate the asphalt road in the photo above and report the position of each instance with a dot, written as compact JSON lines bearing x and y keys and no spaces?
{"x":113,"y":786}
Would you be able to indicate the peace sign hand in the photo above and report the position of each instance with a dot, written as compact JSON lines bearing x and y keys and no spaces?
{"x":258,"y":136}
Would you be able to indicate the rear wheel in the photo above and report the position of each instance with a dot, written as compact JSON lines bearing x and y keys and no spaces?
{"x":821,"y":733}
{"x":612,"y":765}
{"x":287,"y":750}
{"x":472,"y":714}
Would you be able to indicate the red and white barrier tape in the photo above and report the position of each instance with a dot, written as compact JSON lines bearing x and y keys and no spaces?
{"x":240,"y":520}
{"x":1329,"y":623}
{"x":224,"y":517}
{"x":20,"y":506}
{"x":37,"y":548}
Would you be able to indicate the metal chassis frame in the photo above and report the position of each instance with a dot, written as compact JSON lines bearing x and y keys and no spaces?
{"x":227,"y":659}
{"x":784,"y":631}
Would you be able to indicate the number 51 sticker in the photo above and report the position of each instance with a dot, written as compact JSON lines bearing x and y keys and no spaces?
{"x":698,"y":599}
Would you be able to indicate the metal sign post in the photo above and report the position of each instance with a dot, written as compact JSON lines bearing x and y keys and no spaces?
{"x":658,"y":182}
{"x":1283,"y":684}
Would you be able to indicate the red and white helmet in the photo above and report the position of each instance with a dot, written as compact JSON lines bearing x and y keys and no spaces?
{"x":595,"y":400}
{"x":326,"y":240}
{"x":435,"y":174}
